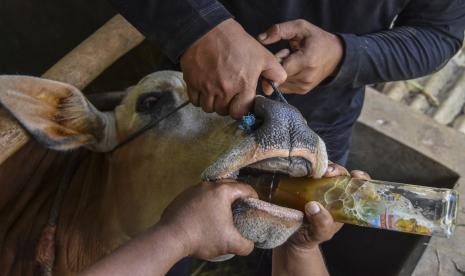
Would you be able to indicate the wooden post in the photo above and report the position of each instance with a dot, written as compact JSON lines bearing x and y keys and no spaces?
{"x":435,"y":84}
{"x":452,"y":106}
{"x":396,"y":90}
{"x":79,"y":67}
{"x":459,"y":123}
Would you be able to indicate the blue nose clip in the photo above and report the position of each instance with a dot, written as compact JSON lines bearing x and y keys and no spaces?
{"x":248,"y":121}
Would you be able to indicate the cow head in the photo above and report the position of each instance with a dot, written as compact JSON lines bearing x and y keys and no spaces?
{"x":180,"y":148}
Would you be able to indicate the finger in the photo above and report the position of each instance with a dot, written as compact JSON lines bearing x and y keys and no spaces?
{"x":282,"y":54}
{"x":360,"y":175}
{"x":273,"y":71}
{"x":290,"y":87}
{"x":336,"y":170}
{"x":294,"y":63}
{"x":193,"y":96}
{"x":241,"y":104}
{"x":267,"y":89}
{"x":241,"y":190}
{"x":295,"y":87}
{"x":221,"y":106}
{"x":222,"y":102}
{"x":207,"y":102}
{"x":320,"y":219}
{"x":287,"y":30}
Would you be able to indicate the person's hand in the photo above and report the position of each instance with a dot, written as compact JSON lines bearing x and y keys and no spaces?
{"x":222,"y":69}
{"x":202,"y":218}
{"x":319,"y":225}
{"x":314,"y":55}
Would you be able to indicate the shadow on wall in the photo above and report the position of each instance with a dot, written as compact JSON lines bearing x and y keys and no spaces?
{"x":36,"y":34}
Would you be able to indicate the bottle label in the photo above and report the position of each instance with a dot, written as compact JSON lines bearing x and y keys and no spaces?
{"x":380,"y":207}
{"x":391,"y":221}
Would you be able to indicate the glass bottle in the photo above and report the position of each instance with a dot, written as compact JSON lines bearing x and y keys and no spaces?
{"x":379,"y":204}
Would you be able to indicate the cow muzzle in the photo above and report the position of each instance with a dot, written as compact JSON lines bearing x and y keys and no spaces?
{"x":280,"y":142}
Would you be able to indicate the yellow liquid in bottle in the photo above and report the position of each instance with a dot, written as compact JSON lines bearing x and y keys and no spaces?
{"x":333,"y":193}
{"x":394,"y":206}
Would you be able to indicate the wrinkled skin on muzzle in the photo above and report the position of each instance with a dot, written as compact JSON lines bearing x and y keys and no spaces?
{"x":281,"y":143}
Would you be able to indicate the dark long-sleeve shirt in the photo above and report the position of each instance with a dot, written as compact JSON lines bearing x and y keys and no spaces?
{"x":384,"y":40}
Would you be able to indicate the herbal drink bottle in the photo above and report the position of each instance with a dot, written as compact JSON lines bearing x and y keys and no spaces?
{"x":393,"y":206}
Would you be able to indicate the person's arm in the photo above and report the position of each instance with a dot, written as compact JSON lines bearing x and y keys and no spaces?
{"x":300,"y":255}
{"x":200,"y":34}
{"x":426,"y":34}
{"x":172,"y":25}
{"x":304,"y":257}
{"x":152,"y":253}
{"x":197,"y":223}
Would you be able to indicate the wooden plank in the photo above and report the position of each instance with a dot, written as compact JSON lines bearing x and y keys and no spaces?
{"x":79,"y":67}
{"x":452,"y":106}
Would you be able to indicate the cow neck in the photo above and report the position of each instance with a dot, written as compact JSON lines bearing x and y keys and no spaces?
{"x":46,"y":246}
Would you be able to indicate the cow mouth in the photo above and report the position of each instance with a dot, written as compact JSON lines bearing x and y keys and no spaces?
{"x":294,"y":166}
{"x":241,"y":163}
{"x":282,"y":143}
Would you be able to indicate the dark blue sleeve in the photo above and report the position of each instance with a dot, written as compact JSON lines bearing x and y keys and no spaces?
{"x":173,"y":25}
{"x":426,"y":34}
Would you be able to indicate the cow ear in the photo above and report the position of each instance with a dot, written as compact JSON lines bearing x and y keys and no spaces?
{"x":56,"y":114}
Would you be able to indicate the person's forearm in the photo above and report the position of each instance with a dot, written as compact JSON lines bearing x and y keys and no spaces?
{"x":427,"y":33}
{"x":152,"y":253}
{"x":295,"y":262}
{"x":172,"y":25}
{"x":397,"y":54}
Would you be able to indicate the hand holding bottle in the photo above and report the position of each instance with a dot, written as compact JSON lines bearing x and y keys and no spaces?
{"x":301,"y":255}
{"x":320,"y":225}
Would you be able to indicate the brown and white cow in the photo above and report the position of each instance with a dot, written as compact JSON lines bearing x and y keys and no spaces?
{"x":118,"y":194}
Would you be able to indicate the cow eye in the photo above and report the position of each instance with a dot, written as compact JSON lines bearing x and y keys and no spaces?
{"x":148,"y":102}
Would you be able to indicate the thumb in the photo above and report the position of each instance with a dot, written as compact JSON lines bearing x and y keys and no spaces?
{"x":318,"y":216}
{"x":241,"y":103}
{"x":295,"y":29}
{"x":274,"y":72}
{"x":294,"y":63}
{"x":322,"y":223}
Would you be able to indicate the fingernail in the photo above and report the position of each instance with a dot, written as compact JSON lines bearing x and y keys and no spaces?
{"x":313,"y":208}
{"x":262,"y":36}
{"x":330,"y":169}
